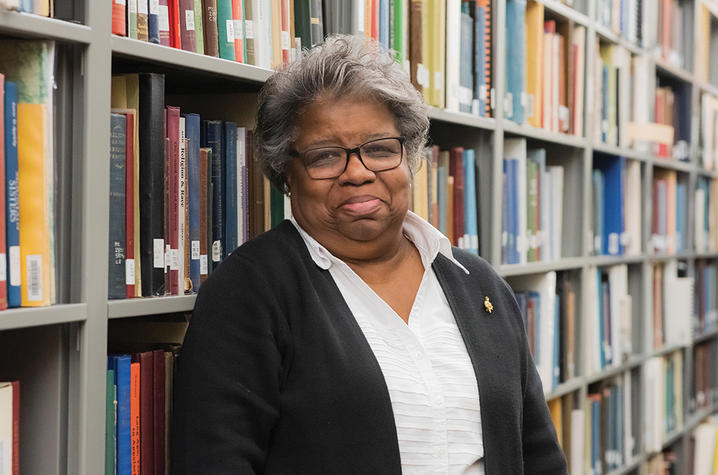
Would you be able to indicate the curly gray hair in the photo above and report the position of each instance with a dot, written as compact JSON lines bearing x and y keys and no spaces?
{"x":343,"y":65}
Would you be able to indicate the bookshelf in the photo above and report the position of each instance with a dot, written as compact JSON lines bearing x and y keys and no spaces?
{"x":60,"y":351}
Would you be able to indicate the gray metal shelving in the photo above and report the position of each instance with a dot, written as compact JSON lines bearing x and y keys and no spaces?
{"x":77,"y":443}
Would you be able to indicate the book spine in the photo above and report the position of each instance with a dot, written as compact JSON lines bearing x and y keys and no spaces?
{"x":135,"y":417}
{"x":172,"y":193}
{"x":164,"y":23}
{"x":175,"y":31}
{"x":158,"y":411}
{"x":188,"y":37}
{"x":110,"y":420}
{"x":215,"y":142}
{"x":147,"y":445}
{"x":119,"y":18}
{"x":116,"y":255}
{"x":3,"y":255}
{"x":124,"y":449}
{"x":132,"y":18}
{"x":316,"y":22}
{"x":225,"y":29}
{"x":151,"y":133}
{"x":229,"y":179}
{"x":192,"y":125}
{"x":12,"y":212}
{"x":198,"y":26}
{"x":153,"y":21}
{"x":204,"y":175}
{"x":143,"y":26}
{"x":182,"y":270}
{"x":238,"y":19}
{"x":209,"y":19}
{"x":130,"y":206}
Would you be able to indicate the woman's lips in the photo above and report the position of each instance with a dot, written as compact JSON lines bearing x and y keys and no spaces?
{"x":361,"y":204}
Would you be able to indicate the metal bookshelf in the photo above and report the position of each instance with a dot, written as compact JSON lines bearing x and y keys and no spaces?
{"x":80,"y":434}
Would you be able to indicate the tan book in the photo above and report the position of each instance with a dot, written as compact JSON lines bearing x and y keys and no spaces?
{"x":534,"y":61}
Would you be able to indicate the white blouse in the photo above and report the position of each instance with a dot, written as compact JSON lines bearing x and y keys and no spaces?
{"x":432,"y":385}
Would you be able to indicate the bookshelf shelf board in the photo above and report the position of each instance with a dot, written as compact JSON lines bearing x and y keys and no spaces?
{"x":461,"y":118}
{"x":36,"y":26}
{"x":565,"y":388}
{"x":508,"y":270}
{"x":37,"y":316}
{"x":602,"y":261}
{"x":673,"y":437}
{"x":545,"y":135}
{"x":629,"y":467}
{"x":667,"y":257}
{"x":705,"y":336}
{"x":707,"y":87}
{"x":620,"y":152}
{"x":565,"y":11}
{"x":694,"y":419}
{"x":632,"y":362}
{"x":709,"y":173}
{"x":706,"y":255}
{"x":671,"y":164}
{"x":666,"y":350}
{"x":149,"y":306}
{"x":184,"y":60}
{"x":675,"y":71}
{"x":607,"y":35}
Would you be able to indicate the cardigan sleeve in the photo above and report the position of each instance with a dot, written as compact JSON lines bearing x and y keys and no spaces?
{"x":229,"y":374}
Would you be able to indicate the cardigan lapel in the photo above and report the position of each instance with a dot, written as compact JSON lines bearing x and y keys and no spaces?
{"x":482,"y":333}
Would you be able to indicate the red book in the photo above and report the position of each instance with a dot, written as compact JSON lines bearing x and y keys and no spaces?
{"x":119,"y":19}
{"x":130,"y":205}
{"x":3,"y":246}
{"x":238,"y":30}
{"x":146,"y":363}
{"x":286,"y":29}
{"x":187,"y":27}
{"x":456,"y":169}
{"x":158,"y":409}
{"x":135,"y":416}
{"x":166,"y":208}
{"x":374,"y":19}
{"x":175,"y":29}
{"x":173,"y":116}
{"x":164,"y":22}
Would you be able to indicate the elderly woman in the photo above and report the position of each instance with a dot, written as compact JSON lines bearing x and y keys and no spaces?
{"x":353,"y":338}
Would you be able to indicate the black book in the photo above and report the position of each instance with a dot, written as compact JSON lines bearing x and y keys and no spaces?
{"x":116,"y":260}
{"x":151,"y":135}
{"x":213,"y":138}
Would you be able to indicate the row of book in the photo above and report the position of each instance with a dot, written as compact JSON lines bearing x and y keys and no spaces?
{"x":445,"y":193}
{"x":10,"y":427}
{"x":27,"y":180}
{"x":709,"y":131}
{"x":37,"y":7}
{"x":445,"y":45}
{"x":668,"y":221}
{"x":706,"y":297}
{"x":549,"y":306}
{"x":663,"y":412}
{"x":532,"y":205}
{"x":184,"y":192}
{"x":616,"y":199}
{"x":545,"y":69}
{"x":672,"y":292}
{"x":706,"y":214}
{"x":704,"y":387}
{"x":569,"y":420}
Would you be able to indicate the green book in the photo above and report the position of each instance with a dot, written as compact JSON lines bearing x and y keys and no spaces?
{"x":225,"y":29}
{"x":276,"y":205}
{"x":132,"y":18}
{"x":397,"y":37}
{"x":532,"y":191}
{"x":302,"y":23}
{"x":198,"y":27}
{"x":110,"y":421}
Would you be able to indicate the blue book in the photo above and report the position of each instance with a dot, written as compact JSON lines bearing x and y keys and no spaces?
{"x":121,"y":365}
{"x":116,"y":287}
{"x":384,"y":23}
{"x":466,"y":54}
{"x":505,"y":215}
{"x":231,"y":239}
{"x":471,"y":227}
{"x":597,"y":185}
{"x":514,"y":210}
{"x":480,"y":86}
{"x":153,"y":21}
{"x":192,"y":133}
{"x":213,"y":139}
{"x":556,"y":374}
{"x":536,"y":297}
{"x":613,"y":170}
{"x":680,"y":216}
{"x":515,"y":58}
{"x":12,"y":202}
{"x":27,"y":6}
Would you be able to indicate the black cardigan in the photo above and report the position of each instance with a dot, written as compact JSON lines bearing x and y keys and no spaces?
{"x":275,"y":375}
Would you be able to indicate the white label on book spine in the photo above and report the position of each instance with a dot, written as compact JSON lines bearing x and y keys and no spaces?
{"x":239,"y":30}
{"x":613,"y":243}
{"x":422,"y":75}
{"x":132,"y":6}
{"x":509,"y":104}
{"x":203,"y":270}
{"x":524,"y":99}
{"x":3,"y":267}
{"x":195,"y":250}
{"x":216,"y":251}
{"x":141,"y":6}
{"x":154,"y":7}
{"x":529,"y":105}
{"x":164,"y":18}
{"x":230,"y":31}
{"x":249,"y":29}
{"x":129,"y":272}
{"x":34,"y":277}
{"x":14,"y":253}
{"x":158,"y":253}
{"x":168,"y":257}
{"x":120,"y":2}
{"x":285,"y":40}
{"x":189,"y":19}
{"x":438,"y":81}
{"x":174,"y":259}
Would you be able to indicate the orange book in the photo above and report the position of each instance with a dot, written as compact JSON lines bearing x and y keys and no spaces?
{"x":238,"y":30}
{"x":119,"y":23}
{"x":135,"y":416}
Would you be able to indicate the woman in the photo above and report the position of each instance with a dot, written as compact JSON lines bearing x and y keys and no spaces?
{"x":353,"y":338}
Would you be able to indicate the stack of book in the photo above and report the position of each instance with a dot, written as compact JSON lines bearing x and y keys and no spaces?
{"x":672,"y":37}
{"x":663,"y":409}
{"x":673,"y":109}
{"x":27,"y":174}
{"x":545,"y":67}
{"x":672,"y":294}
{"x":445,"y":194}
{"x":184,"y":193}
{"x":609,"y":326}
{"x":37,"y":7}
{"x":612,"y":92}
{"x":625,"y":17}
{"x":616,"y":198}
{"x":569,"y":420}
{"x":706,"y":297}
{"x":10,"y":427}
{"x":532,"y":205}
{"x":668,"y":222}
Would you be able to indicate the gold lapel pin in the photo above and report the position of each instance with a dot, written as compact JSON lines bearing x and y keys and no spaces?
{"x":488,"y":306}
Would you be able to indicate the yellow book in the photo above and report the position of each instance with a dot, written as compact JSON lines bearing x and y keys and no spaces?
{"x":424,"y":70}
{"x":34,"y":218}
{"x":534,"y":61}
{"x":713,"y":216}
{"x":438,"y":66}
{"x":555,"y":409}
{"x":276,"y":24}
{"x":421,"y":190}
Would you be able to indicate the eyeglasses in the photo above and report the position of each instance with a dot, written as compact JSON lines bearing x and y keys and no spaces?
{"x":323,"y":163}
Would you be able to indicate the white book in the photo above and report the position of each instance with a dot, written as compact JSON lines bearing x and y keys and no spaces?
{"x":6,"y":427}
{"x":628,"y":442}
{"x":699,"y":214}
{"x":677,"y":306}
{"x":545,"y":285}
{"x":556,"y":198}
{"x":643,"y":95}
{"x":618,"y":282}
{"x":632,"y":207}
{"x":578,"y":429}
{"x":262,"y":32}
{"x":453,"y":48}
{"x":358,"y":17}
{"x":705,"y":437}
{"x":579,"y":41}
{"x":622,"y":62}
{"x":654,"y":404}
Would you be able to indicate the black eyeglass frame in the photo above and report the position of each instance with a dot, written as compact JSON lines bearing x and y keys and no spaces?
{"x":349,"y":152}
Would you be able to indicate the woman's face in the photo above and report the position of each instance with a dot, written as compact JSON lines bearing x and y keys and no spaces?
{"x":358,"y":206}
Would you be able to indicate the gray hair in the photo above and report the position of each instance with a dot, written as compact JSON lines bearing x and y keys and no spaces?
{"x":343,"y":65}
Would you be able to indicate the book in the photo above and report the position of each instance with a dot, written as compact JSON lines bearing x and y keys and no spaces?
{"x":209,"y":22}
{"x":213,"y":139}
{"x":119,"y":18}
{"x":225,"y":29}
{"x":187,"y":27}
{"x":12,"y":211}
{"x":110,"y":421}
{"x":10,"y":427}
{"x":515,"y":99}
{"x":117,"y":237}
{"x":121,"y":366}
